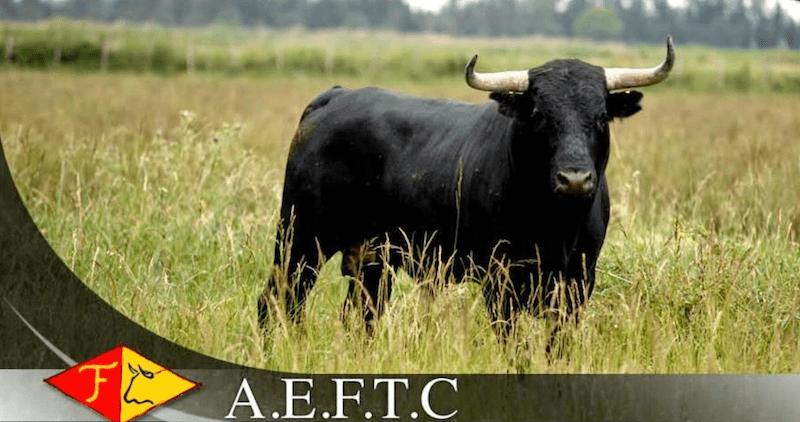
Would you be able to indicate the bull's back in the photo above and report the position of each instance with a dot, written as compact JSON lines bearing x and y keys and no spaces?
{"x":373,"y":114}
{"x":375,"y":159}
{"x":365,"y":130}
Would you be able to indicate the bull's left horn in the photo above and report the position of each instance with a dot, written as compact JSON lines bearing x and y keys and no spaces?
{"x":631,"y":78}
{"x":509,"y":81}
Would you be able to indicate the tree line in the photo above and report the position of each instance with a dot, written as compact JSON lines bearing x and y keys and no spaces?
{"x":722,"y":23}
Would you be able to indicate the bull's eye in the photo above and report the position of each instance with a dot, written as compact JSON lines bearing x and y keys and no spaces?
{"x":537,"y":120}
{"x":146,"y":373}
{"x":602,"y":122}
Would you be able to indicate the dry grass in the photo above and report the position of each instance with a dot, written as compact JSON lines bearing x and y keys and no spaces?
{"x":700,"y":271}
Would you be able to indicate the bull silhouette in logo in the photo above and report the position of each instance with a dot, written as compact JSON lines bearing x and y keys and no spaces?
{"x":136,"y":372}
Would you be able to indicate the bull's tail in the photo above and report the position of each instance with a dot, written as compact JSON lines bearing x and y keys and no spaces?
{"x":322,"y":100}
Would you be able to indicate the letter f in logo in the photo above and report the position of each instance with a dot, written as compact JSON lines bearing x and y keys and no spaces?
{"x":97,"y":378}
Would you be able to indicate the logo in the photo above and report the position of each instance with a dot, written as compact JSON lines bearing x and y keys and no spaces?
{"x":121,"y":384}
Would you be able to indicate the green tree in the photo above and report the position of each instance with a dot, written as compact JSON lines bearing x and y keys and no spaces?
{"x":165,"y":13}
{"x":400,"y":17}
{"x":73,"y":9}
{"x":134,"y":10}
{"x":451,"y":16}
{"x":766,"y":28}
{"x":542,"y":18}
{"x":737,"y":19}
{"x":793,"y":35}
{"x":509,"y":14}
{"x":325,"y":14}
{"x":571,"y":14}
{"x":666,"y":21}
{"x":7,"y":10}
{"x":253,"y":12}
{"x":635,"y":22}
{"x":598,"y":23}
{"x":198,"y":14}
{"x":32,"y":10}
{"x":229,"y":14}
{"x":356,"y":19}
{"x":289,"y":13}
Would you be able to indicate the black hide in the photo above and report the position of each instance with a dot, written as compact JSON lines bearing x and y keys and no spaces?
{"x":473,"y":181}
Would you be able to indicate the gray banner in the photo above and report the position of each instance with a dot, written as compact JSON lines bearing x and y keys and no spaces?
{"x":25,"y":396}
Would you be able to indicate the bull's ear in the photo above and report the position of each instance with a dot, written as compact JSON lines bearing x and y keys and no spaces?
{"x":623,"y":104}
{"x":512,"y":105}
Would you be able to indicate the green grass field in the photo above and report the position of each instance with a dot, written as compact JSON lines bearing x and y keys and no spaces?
{"x":161,"y":193}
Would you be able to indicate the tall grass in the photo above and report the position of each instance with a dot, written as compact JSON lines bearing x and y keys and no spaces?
{"x":162,"y":195}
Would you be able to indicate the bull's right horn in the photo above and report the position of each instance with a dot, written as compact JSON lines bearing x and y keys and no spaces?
{"x":509,"y":81}
{"x":632,"y":78}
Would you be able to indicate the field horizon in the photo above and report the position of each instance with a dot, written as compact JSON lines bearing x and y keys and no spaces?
{"x":377,"y":56}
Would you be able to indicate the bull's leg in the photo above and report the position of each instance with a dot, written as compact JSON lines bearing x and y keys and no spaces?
{"x":294,"y":272}
{"x":370,"y":285}
{"x":502,"y":305}
{"x":510,"y":288}
{"x":574,"y":289}
{"x":580,"y":272}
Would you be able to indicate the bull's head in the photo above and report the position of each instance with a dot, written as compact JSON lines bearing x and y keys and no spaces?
{"x":563,"y":108}
{"x":140,"y":392}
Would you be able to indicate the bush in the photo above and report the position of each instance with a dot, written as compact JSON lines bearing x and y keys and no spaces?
{"x":82,"y":55}
{"x":34,"y":53}
{"x":740,"y":80}
{"x":307,"y":59}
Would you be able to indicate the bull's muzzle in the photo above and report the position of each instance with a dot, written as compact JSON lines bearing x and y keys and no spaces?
{"x":574,"y":182}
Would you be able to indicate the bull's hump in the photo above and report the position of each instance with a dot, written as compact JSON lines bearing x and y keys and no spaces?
{"x":401,"y":114}
{"x":381,"y":99}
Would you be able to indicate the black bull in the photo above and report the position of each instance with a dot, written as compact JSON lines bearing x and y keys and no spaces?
{"x":519,"y":181}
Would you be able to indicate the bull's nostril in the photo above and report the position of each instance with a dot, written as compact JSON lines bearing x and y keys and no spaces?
{"x":574,"y":182}
{"x":562,"y":181}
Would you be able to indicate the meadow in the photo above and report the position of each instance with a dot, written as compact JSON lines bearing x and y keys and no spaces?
{"x":368,"y":55}
{"x":161,"y":192}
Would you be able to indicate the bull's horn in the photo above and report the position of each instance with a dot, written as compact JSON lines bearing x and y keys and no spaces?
{"x":632,"y":78}
{"x":509,"y":81}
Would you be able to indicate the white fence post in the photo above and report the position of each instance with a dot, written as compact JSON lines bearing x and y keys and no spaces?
{"x":190,"y":57}
{"x":10,"y":49}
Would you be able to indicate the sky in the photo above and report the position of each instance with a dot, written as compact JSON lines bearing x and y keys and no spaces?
{"x":791,"y":6}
